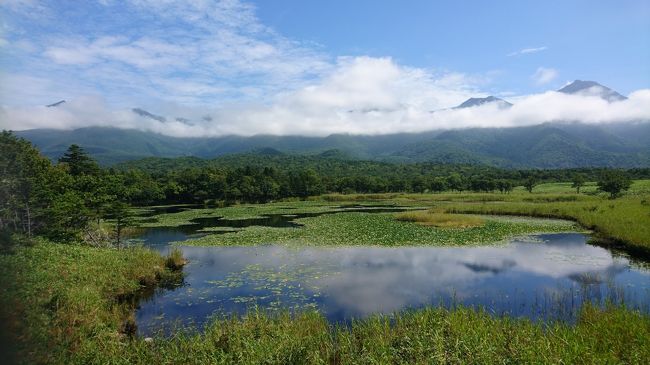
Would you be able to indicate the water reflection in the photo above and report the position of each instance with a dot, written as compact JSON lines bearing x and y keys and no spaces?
{"x":545,"y":278}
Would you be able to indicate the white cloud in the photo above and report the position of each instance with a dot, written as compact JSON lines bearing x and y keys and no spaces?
{"x":360,"y":95}
{"x":544,"y":75}
{"x":216,"y":58}
{"x":527,"y":51}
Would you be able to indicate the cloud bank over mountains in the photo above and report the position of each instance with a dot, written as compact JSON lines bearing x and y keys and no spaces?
{"x":399,"y":101}
{"x":211,"y":68}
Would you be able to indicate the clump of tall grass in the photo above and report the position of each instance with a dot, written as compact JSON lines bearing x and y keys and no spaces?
{"x":175,"y":260}
{"x":441,"y":220}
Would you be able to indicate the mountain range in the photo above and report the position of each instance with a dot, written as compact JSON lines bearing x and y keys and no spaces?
{"x":549,"y":145}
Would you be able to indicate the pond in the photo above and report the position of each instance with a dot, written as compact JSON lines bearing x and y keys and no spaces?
{"x":542,"y":277}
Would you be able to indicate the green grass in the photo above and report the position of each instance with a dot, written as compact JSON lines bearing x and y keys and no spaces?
{"x":614,"y":335}
{"x":382,"y":229}
{"x":60,"y":299}
{"x":626,"y":220}
{"x":175,"y":260}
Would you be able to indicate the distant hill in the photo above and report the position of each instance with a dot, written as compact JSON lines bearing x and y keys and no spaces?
{"x":551,"y":145}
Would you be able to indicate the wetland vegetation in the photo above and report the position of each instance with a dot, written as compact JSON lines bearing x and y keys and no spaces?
{"x":279,"y":249}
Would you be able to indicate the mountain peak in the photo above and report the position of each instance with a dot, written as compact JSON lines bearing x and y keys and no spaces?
{"x":146,"y":114}
{"x":591,"y":88}
{"x":471,"y":102}
{"x":55,"y":104}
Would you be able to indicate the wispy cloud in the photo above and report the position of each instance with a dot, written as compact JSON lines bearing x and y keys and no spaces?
{"x":221,"y":47}
{"x":527,"y":51}
{"x":544,"y":75}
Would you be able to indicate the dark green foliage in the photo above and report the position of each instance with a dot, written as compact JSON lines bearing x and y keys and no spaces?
{"x":551,"y":145}
{"x":504,"y":186}
{"x":577,"y":181}
{"x":614,"y":182}
{"x":119,"y":212}
{"x":78,"y":161}
{"x":68,"y":201}
{"x":530,"y":183}
{"x":28,"y":184}
{"x":59,"y":201}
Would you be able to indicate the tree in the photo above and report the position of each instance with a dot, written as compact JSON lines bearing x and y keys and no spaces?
{"x":578,"y":181}
{"x":120,"y":213}
{"x":78,"y":161}
{"x":614,"y":182}
{"x":482,"y":183}
{"x":25,"y":185}
{"x":455,"y":182}
{"x":418,"y":184}
{"x":504,"y":186}
{"x":67,"y":217}
{"x":438,"y":184}
{"x":530,"y":183}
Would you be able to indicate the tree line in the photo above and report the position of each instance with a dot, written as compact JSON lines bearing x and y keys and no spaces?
{"x":68,"y":199}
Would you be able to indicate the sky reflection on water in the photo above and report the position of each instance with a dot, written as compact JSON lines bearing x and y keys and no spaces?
{"x":542,"y":277}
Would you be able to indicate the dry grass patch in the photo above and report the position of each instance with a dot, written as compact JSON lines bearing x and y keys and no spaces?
{"x":441,"y":220}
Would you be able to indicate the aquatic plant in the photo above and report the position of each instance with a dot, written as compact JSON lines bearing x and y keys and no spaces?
{"x":382,"y":229}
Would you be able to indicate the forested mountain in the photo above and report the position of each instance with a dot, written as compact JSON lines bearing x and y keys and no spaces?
{"x":557,"y":145}
{"x":552,"y":145}
{"x":549,"y":145}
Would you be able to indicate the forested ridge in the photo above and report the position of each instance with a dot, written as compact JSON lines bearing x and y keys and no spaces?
{"x":548,"y":145}
{"x":63,"y":199}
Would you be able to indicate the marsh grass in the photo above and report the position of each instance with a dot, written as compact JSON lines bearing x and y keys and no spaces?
{"x":59,"y":299}
{"x":441,"y":220}
{"x":625,"y":220}
{"x":175,"y":260}
{"x":430,"y":335}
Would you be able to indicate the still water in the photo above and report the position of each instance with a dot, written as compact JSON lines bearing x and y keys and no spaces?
{"x":542,"y":277}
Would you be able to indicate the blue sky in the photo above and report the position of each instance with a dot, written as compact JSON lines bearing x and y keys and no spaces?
{"x":285,"y":66}
{"x":607,"y":41}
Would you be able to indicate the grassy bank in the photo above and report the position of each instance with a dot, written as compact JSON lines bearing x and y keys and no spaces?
{"x":58,"y":300}
{"x":425,"y":336}
{"x":626,"y":220}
